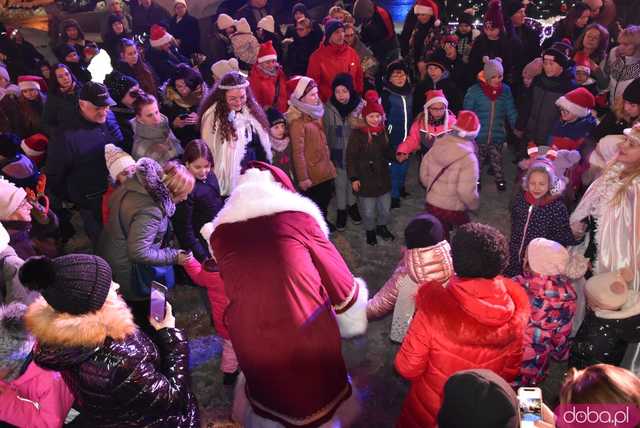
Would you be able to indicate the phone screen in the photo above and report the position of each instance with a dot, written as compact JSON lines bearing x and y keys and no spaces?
{"x":158,"y":302}
{"x":530,"y":410}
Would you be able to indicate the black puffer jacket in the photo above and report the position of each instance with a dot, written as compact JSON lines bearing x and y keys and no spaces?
{"x":124,"y":382}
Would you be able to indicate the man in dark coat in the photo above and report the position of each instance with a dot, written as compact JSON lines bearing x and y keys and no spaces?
{"x":145,"y":13}
{"x":185,"y":29}
{"x":76,"y":169}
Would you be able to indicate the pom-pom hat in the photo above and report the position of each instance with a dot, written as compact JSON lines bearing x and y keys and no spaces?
{"x":117,"y":160}
{"x":267,"y":52}
{"x":428,"y":7}
{"x":75,"y":284}
{"x":494,"y":15}
{"x":578,"y":102}
{"x":372,"y":103}
{"x":159,"y":36}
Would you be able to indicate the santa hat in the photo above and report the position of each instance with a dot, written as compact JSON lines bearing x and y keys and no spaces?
{"x":35,"y":147}
{"x":428,"y":7}
{"x":547,"y":257}
{"x":581,"y":60}
{"x":224,"y":66}
{"x":117,"y":160}
{"x":267,"y":52}
{"x":494,"y":14}
{"x":224,"y":21}
{"x":579,"y":102}
{"x":467,"y":125}
{"x":372,"y":103}
{"x":159,"y":36}
{"x":267,"y":24}
{"x":10,"y":198}
{"x":297,"y":86}
{"x":31,"y":82}
{"x":177,"y":2}
{"x":434,"y":96}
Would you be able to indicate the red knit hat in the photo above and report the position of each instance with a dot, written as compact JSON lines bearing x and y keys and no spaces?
{"x":159,"y":36}
{"x":494,"y":15}
{"x":582,"y":62}
{"x":579,"y":102}
{"x":35,"y":147}
{"x":428,"y":7}
{"x":267,"y":52}
{"x":298,"y":86}
{"x":372,"y":105}
{"x":32,"y":82}
{"x":468,"y":125}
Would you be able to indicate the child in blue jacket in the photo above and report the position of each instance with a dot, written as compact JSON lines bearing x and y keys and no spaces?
{"x":493,"y":102}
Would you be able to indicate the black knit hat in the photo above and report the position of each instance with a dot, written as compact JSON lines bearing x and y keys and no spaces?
{"x":63,"y":50}
{"x":478,"y":398}
{"x":330,"y":27}
{"x":510,"y":7}
{"x":274,"y":116}
{"x":299,"y":7}
{"x":9,"y":144}
{"x":424,"y":230}
{"x":438,"y":58}
{"x":479,"y":251}
{"x":398,"y":64}
{"x":114,"y":17}
{"x":558,"y":57}
{"x":119,"y":84}
{"x":76,"y":283}
{"x":632,"y":92}
{"x":466,"y":18}
{"x":343,"y":79}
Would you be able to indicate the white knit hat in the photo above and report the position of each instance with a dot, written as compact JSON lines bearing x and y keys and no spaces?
{"x":10,"y":198}
{"x":225,"y":21}
{"x":267,"y":24}
{"x":117,"y":160}
{"x":177,"y":2}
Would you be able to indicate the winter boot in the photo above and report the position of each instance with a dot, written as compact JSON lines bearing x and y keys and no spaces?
{"x":395,"y":203}
{"x":384,"y":233}
{"x":354,"y":213}
{"x":341,"y":220}
{"x":371,"y":237}
{"x":501,"y":185}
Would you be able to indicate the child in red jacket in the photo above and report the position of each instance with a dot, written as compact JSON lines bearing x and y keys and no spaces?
{"x":206,"y":275}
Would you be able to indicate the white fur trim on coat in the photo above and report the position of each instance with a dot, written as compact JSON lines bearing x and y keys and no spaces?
{"x":227,"y":162}
{"x":353,"y":321}
{"x":258,"y":195}
{"x":573,"y":108}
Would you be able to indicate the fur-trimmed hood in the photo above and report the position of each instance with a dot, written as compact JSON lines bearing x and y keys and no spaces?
{"x":258,"y":195}
{"x":482,"y":312}
{"x":149,"y":174}
{"x":68,"y":338}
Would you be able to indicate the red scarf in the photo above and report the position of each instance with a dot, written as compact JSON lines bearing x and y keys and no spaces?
{"x":372,"y":130}
{"x":531,"y":200}
{"x":491,"y":92}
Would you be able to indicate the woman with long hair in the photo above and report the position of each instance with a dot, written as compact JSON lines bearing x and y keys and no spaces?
{"x":571,"y":26}
{"x":235,"y":128}
{"x":594,"y":43}
{"x":132,"y":64}
{"x":182,"y":95}
{"x":612,"y":201}
{"x":22,"y":114}
{"x":62,"y":98}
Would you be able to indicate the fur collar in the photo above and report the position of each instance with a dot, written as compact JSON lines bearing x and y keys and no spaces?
{"x":448,"y":317}
{"x":257,"y":195}
{"x":90,"y":330}
{"x":149,"y":173}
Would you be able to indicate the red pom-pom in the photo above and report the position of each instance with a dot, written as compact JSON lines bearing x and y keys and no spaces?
{"x":371,"y":96}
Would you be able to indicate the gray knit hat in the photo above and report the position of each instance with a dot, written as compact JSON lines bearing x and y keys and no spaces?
{"x":76,"y":283}
{"x":492,"y":67}
{"x":15,"y":341}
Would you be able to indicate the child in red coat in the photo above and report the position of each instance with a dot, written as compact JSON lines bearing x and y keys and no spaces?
{"x":206,"y":275}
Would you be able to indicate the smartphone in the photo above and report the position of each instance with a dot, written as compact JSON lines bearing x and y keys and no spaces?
{"x":158,"y":304}
{"x":530,"y":401}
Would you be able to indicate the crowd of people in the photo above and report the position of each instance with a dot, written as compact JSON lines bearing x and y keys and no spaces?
{"x":220,"y":171}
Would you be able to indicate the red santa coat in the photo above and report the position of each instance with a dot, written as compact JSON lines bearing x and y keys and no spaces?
{"x":328,"y":61}
{"x":473,"y":323}
{"x":285,"y":282}
{"x":264,"y":88}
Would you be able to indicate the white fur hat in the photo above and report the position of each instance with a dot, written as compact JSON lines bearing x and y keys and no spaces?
{"x":267,"y":24}
{"x":225,"y":21}
{"x":224,"y":66}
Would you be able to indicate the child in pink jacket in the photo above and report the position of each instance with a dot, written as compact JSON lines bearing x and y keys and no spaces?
{"x":29,"y":395}
{"x":206,"y":275}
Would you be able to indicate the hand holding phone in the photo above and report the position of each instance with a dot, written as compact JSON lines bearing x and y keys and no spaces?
{"x":157,"y":304}
{"x":530,"y":400}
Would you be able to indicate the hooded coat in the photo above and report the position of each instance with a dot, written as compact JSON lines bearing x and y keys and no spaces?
{"x":119,"y":377}
{"x":136,"y":232}
{"x":457,"y":187}
{"x":344,"y":59}
{"x":472,"y":323}
{"x":288,"y":343}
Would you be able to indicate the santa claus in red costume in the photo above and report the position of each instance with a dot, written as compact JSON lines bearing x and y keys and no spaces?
{"x":291,"y":299}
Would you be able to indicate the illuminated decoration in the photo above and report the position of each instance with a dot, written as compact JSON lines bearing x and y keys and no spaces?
{"x":544,"y":26}
{"x":100,"y":66}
